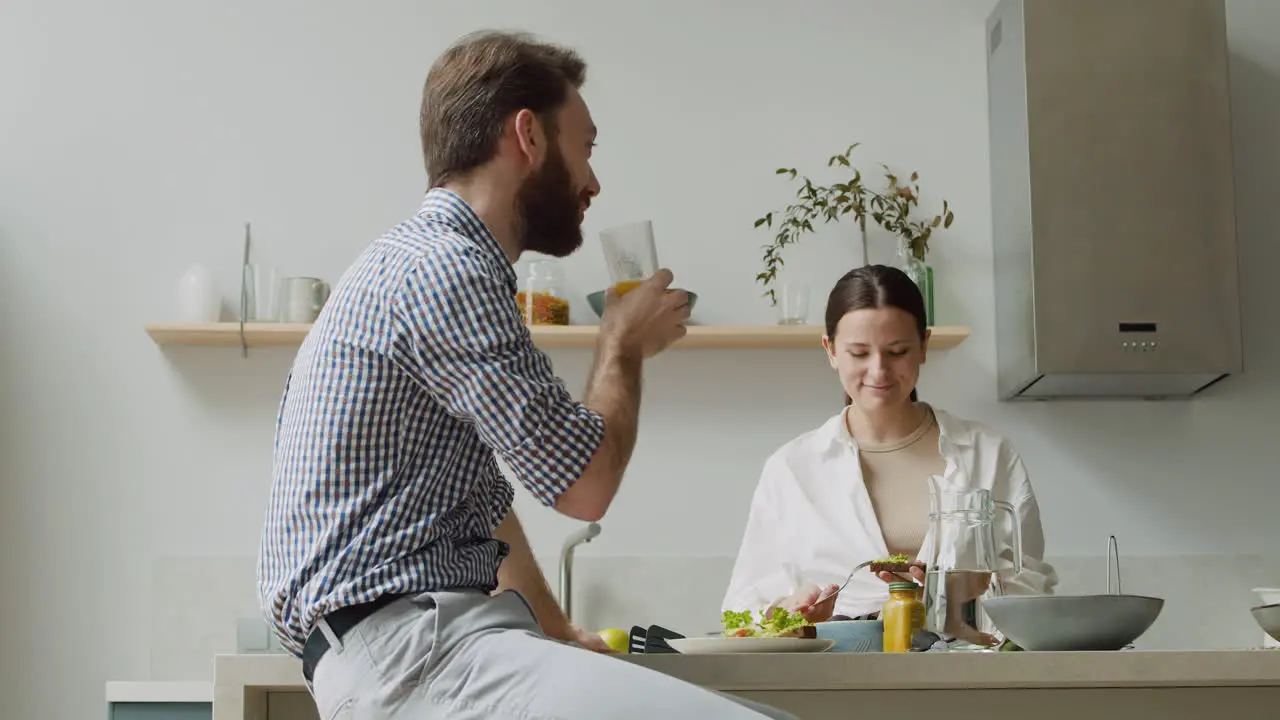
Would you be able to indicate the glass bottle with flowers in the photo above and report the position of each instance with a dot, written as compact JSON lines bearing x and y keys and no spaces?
{"x":891,"y":209}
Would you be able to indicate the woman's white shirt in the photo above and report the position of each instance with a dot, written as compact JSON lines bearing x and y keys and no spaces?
{"x":812,"y":520}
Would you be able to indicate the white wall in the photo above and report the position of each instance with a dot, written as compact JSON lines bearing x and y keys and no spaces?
{"x":137,"y":136}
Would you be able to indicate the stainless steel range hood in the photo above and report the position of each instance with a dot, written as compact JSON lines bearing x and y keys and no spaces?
{"x":1112,"y":197}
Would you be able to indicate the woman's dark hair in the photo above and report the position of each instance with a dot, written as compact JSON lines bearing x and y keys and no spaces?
{"x":875,"y":286}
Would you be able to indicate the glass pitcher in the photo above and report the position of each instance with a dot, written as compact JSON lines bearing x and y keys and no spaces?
{"x":962,"y":566}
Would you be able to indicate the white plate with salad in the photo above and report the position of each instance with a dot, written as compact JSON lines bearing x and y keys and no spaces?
{"x":780,"y":632}
{"x":722,"y":645}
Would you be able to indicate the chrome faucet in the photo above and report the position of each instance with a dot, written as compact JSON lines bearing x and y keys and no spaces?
{"x":585,"y":535}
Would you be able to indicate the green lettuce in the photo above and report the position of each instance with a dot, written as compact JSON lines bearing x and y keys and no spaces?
{"x":779,"y":622}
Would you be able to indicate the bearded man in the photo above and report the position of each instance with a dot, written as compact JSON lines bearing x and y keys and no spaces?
{"x":391,"y":561}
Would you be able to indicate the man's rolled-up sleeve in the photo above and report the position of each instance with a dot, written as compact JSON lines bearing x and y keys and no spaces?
{"x":462,"y":338}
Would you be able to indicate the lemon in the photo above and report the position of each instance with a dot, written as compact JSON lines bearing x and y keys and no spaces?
{"x":617,"y":639}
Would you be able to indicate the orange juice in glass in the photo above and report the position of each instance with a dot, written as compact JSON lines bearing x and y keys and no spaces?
{"x":625,"y":286}
{"x":630,"y":254}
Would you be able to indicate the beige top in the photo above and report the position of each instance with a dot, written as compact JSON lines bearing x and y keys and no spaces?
{"x":896,"y":475}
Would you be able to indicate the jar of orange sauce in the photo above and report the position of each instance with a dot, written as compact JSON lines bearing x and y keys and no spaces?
{"x":902,"y":615}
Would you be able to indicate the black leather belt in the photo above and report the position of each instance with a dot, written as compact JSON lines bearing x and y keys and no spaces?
{"x":340,"y":621}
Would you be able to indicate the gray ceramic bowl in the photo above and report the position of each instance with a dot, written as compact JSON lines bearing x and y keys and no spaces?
{"x":1073,"y":622}
{"x":1268,"y":618}
{"x":853,"y":635}
{"x":596,"y":301}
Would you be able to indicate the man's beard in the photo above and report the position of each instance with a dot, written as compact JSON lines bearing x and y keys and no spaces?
{"x":547,"y":208}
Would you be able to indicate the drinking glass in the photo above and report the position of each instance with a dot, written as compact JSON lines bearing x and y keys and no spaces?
{"x":793,"y":303}
{"x":630,"y":254}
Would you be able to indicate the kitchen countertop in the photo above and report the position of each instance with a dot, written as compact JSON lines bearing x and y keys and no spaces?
{"x":955,"y":670}
{"x":880,"y":671}
{"x":1097,"y":686}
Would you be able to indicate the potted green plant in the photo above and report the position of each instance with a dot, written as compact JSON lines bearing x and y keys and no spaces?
{"x":814,"y":202}
{"x":891,"y":209}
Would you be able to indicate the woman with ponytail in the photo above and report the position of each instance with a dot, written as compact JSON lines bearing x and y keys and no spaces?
{"x":857,"y":488}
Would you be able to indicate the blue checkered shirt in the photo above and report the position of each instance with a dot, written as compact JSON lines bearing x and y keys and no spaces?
{"x":417,"y":376}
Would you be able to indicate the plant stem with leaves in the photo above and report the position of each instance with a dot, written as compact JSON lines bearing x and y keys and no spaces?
{"x":891,"y":210}
{"x":813,"y":202}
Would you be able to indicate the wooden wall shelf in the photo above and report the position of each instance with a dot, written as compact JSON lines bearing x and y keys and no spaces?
{"x":704,"y":337}
{"x":227,"y":334}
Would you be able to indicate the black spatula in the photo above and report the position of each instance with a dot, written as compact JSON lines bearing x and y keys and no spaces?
{"x":652,"y":640}
{"x":656,"y":639}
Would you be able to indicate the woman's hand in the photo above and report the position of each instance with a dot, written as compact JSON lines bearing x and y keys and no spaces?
{"x":961,"y":588}
{"x":916,"y":574}
{"x":805,"y":601}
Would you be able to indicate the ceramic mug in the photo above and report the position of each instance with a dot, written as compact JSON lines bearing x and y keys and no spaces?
{"x":302,"y":299}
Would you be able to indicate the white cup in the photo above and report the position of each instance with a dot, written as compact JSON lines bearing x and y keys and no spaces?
{"x":302,"y":299}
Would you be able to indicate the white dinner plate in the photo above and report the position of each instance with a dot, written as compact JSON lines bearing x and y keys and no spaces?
{"x":721,"y":645}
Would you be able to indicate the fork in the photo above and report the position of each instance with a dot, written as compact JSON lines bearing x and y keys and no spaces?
{"x":852,"y":572}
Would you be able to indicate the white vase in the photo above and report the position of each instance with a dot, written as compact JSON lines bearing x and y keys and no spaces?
{"x":198,"y":299}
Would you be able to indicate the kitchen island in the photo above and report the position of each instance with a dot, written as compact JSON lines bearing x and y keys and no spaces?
{"x":1171,"y":685}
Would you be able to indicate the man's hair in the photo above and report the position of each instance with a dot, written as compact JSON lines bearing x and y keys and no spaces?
{"x":481,"y":81}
